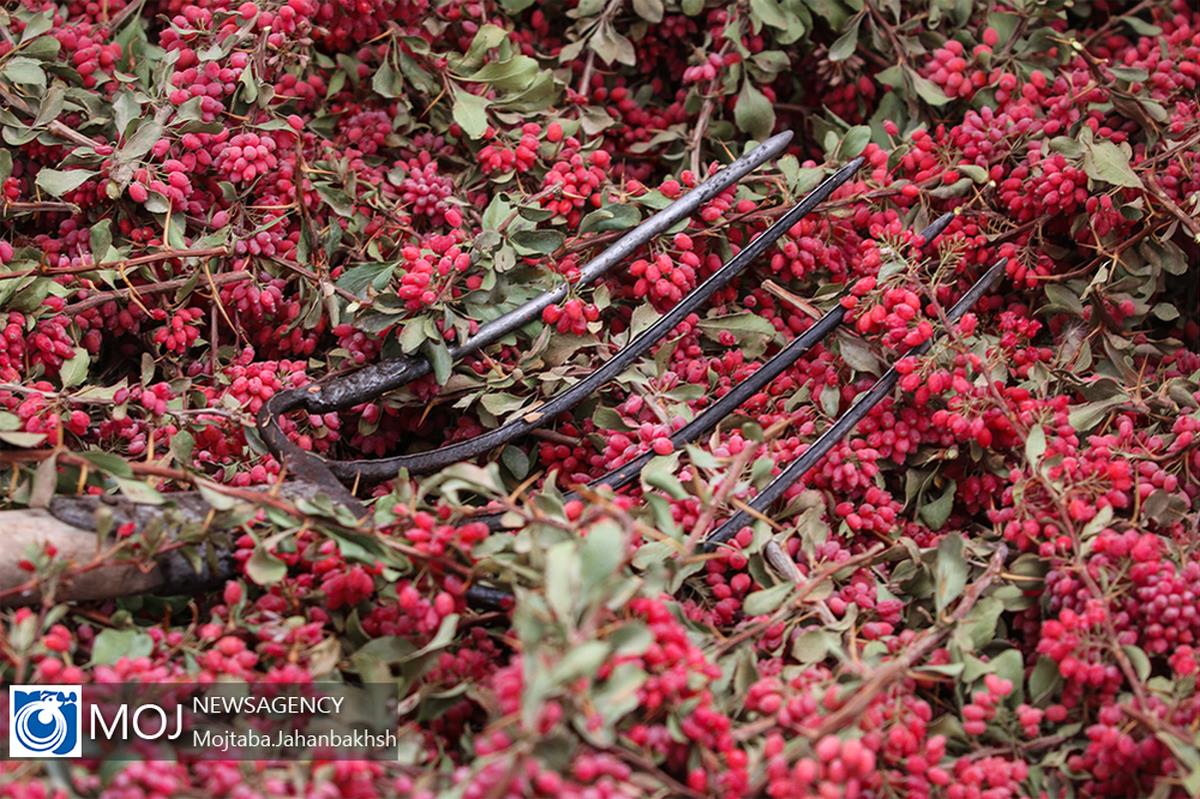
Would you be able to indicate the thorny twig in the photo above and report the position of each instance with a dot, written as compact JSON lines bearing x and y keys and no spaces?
{"x":895,"y":670}
{"x":153,"y":288}
{"x":124,"y":263}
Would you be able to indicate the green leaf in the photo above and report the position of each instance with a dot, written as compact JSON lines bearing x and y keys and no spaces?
{"x":768,"y":599}
{"x":356,"y":279}
{"x":412,"y":336}
{"x":183,"y":444}
{"x":1035,"y":445}
{"x":847,"y":43}
{"x":614,"y":217}
{"x":470,"y":112}
{"x":1141,"y":662}
{"x":1086,"y":416}
{"x":337,"y":199}
{"x":583,"y":660}
{"x":21,"y":438}
{"x":100,"y":237}
{"x":936,"y":513}
{"x":25,"y":71}
{"x":926,"y":89}
{"x":979,"y":626}
{"x":741,"y":324}
{"x":512,"y":75}
{"x":1044,"y":680}
{"x":807,"y":179}
{"x":52,"y":105}
{"x":649,"y":10}
{"x":264,"y":568}
{"x":502,"y":403}
{"x":858,"y":354}
{"x":1165,"y":311}
{"x":1141,"y":27}
{"x":210,"y":494}
{"x":537,"y":242}
{"x":1063,"y":299}
{"x":1011,"y":666}
{"x":249,"y":85}
{"x":602,"y":553}
{"x":58,"y":182}
{"x":488,"y":37}
{"x":139,"y":491}
{"x":855,"y":141}
{"x":753,"y":112}
{"x":441,"y":639}
{"x":112,"y":645}
{"x":36,"y":25}
{"x":126,"y":108}
{"x":631,"y":638}
{"x":830,"y":399}
{"x":950,"y":571}
{"x":1105,"y":161}
{"x":770,"y":13}
{"x":439,"y":357}
{"x":108,"y":463}
{"x":660,"y":473}
{"x":43,"y":48}
{"x":75,"y":369}
{"x":45,"y":481}
{"x":612,"y":46}
{"x":395,"y":650}
{"x":140,"y":143}
{"x":813,"y":646}
{"x":387,"y":82}
{"x":562,"y":579}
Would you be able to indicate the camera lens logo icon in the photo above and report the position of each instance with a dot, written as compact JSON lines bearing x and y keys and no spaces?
{"x":43,"y":720}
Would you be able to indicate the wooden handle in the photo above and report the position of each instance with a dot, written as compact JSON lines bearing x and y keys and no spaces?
{"x":23,"y":532}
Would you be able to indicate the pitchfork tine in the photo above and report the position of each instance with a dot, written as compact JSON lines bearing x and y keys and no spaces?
{"x":711,"y":416}
{"x":432,"y":460}
{"x":371,"y":381}
{"x":845,"y":423}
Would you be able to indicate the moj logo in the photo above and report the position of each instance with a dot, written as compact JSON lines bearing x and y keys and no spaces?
{"x":43,"y":720}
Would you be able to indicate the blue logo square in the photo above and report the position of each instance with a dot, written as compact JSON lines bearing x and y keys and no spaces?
{"x":43,"y":720}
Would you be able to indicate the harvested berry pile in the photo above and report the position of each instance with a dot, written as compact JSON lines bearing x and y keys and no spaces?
{"x":989,"y":589}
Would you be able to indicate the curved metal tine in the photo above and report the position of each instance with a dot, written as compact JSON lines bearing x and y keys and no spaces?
{"x":710,"y":417}
{"x":375,"y":470}
{"x":845,"y":423}
{"x":371,"y":381}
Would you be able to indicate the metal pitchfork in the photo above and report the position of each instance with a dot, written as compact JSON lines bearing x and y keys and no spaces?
{"x":75,"y":515}
{"x":370,"y":382}
{"x":710,"y":417}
